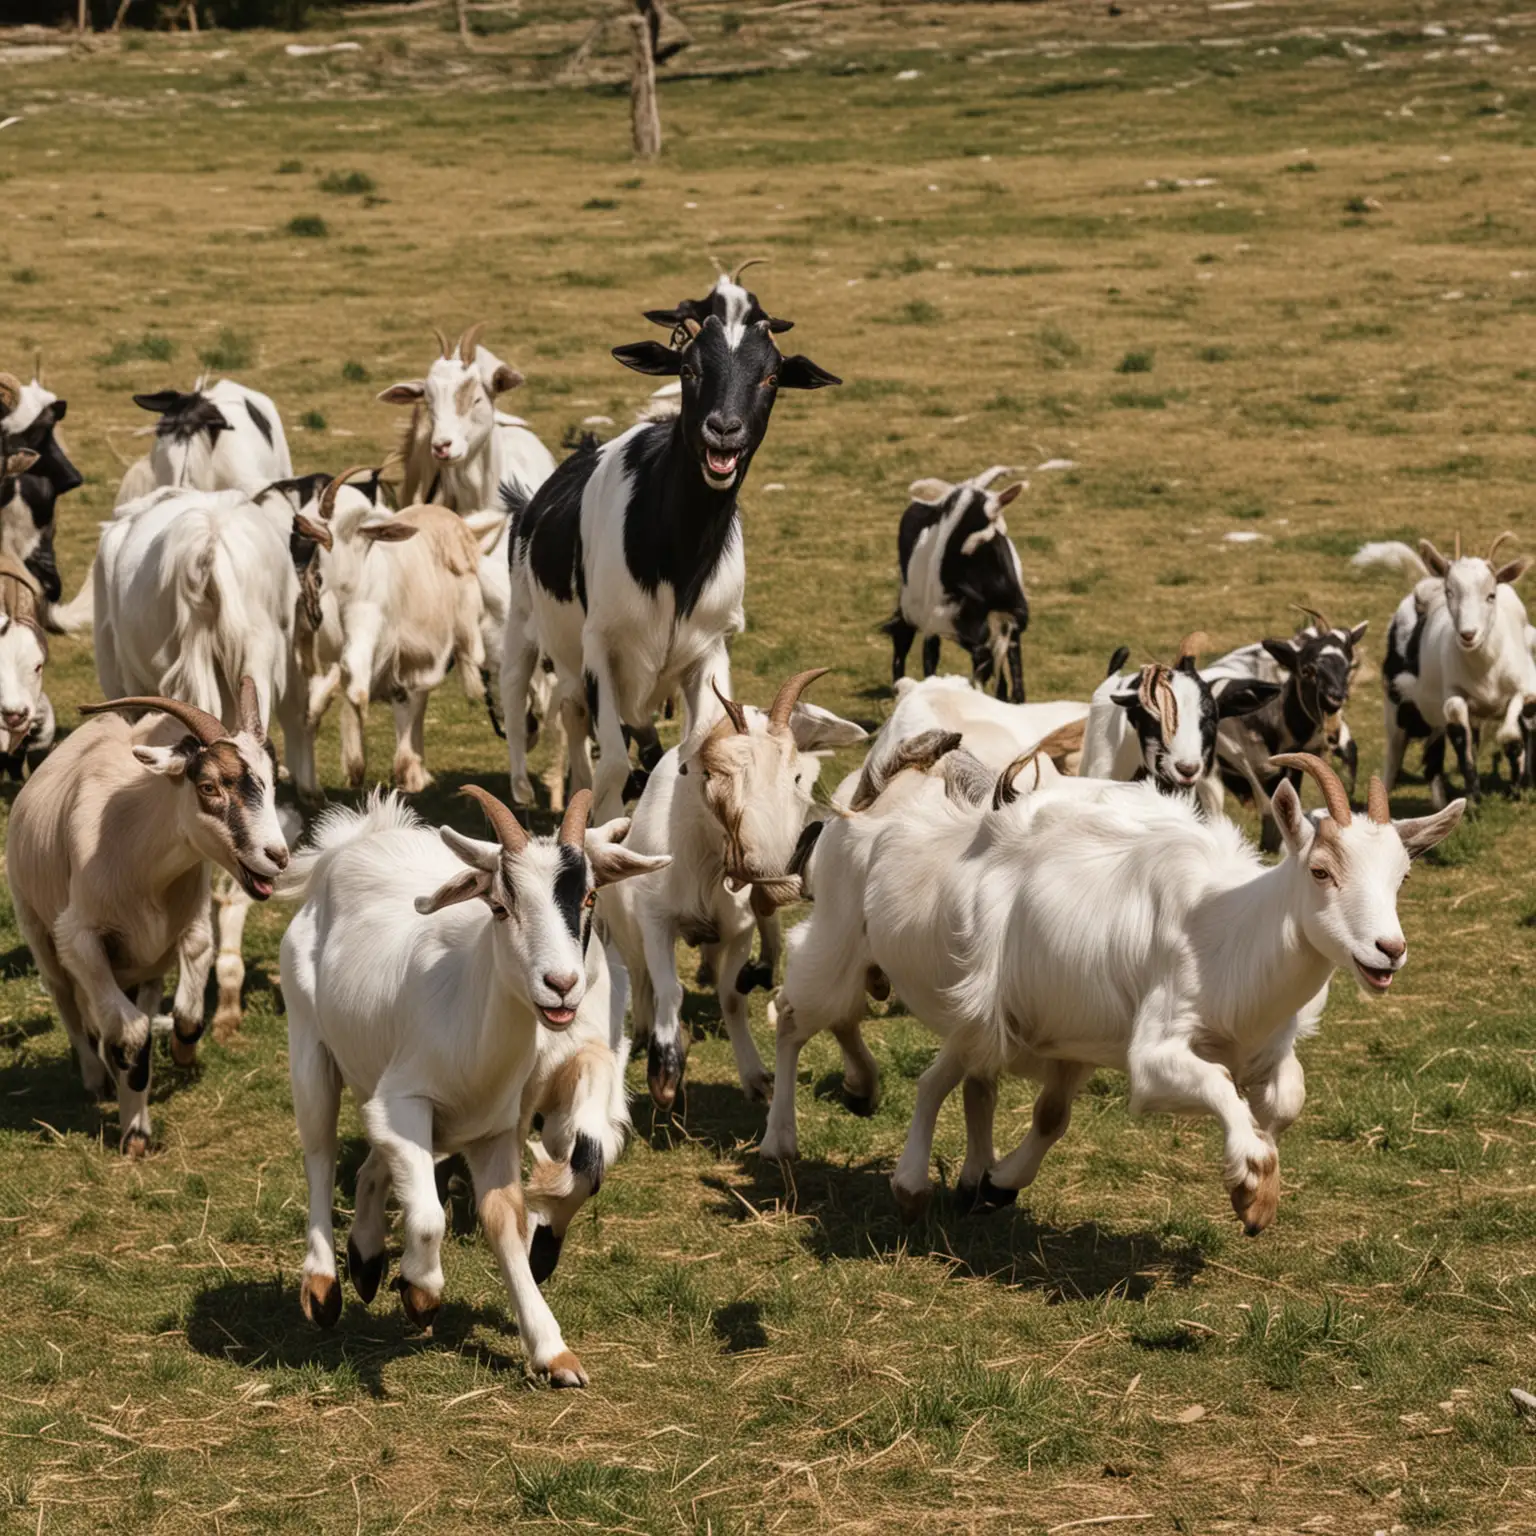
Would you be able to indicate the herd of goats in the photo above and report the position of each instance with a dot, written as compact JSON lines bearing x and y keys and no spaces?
{"x":1049,"y":887}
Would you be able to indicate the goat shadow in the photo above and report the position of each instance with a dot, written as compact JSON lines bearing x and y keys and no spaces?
{"x":852,"y":1215}
{"x":256,"y":1325}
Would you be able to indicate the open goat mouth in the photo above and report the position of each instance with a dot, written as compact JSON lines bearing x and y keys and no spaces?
{"x":259,"y":886}
{"x":1378,"y":979}
{"x":558,"y":1018}
{"x":720,"y":468}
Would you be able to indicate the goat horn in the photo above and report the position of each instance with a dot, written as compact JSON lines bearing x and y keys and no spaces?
{"x":691,"y":326}
{"x":1457,"y":555}
{"x":1192,"y":644}
{"x":737,"y":715}
{"x":250,"y":709}
{"x":789,"y":695}
{"x":37,"y":365}
{"x":1003,"y":792}
{"x":1327,"y":781}
{"x":328,"y":495}
{"x":469,"y":341}
{"x":10,"y":393}
{"x":573,"y":825}
{"x":442,"y":342}
{"x":207,"y":728}
{"x":316,"y":531}
{"x":1378,"y":807}
{"x":1313,"y":614}
{"x":508,"y":829}
{"x":751,"y":261}
{"x":1493,"y":549}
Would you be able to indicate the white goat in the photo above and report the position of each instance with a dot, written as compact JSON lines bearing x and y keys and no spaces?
{"x":458,"y":449}
{"x":219,"y":437}
{"x":421,"y":973}
{"x":1094,"y":925}
{"x":1458,"y":658}
{"x":107,"y":852}
{"x":730,"y":812}
{"x":26,"y":715}
{"x":195,"y":590}
{"x":994,"y":731}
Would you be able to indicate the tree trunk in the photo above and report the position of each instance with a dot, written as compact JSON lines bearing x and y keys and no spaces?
{"x":84,"y":15}
{"x":645,"y":117}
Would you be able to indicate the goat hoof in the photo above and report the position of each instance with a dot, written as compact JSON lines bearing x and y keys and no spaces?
{"x":1257,"y":1198}
{"x":365,"y":1274}
{"x":135,"y":1144}
{"x":226,"y":1022}
{"x":565,"y":1371}
{"x":420,"y":1305}
{"x":664,"y":1073}
{"x":980,"y":1199}
{"x":544,"y":1253}
{"x":184,"y":1037}
{"x":861,"y":1104}
{"x":754,"y":974}
{"x":320,"y":1297}
{"x":911,"y":1204}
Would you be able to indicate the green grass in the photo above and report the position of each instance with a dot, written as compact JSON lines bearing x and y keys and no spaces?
{"x":771,"y":1349}
{"x":347,"y":183}
{"x":308,"y":226}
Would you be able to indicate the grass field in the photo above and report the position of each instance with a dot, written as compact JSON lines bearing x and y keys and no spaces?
{"x":1263,"y":270}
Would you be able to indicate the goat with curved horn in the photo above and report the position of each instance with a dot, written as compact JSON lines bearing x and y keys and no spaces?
{"x":788,"y":696}
{"x":327,"y":505}
{"x":442,"y":343}
{"x":10,"y":393}
{"x":751,"y":261}
{"x":1327,"y":781}
{"x":509,"y":831}
{"x":468,"y":343}
{"x":1377,"y":805}
{"x":1493,"y":549}
{"x":1315,"y":615}
{"x":207,"y":728}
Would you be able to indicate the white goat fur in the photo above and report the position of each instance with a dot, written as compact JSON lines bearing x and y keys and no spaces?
{"x":429,"y":1017}
{"x":1092,"y":925}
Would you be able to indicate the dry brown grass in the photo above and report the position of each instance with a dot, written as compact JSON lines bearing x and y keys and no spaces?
{"x":1319,"y":260}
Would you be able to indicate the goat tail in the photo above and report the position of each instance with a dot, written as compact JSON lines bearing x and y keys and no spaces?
{"x":77,"y":614}
{"x":1390,"y":555}
{"x":383,"y":811}
{"x":210,"y":617}
{"x":514,"y":503}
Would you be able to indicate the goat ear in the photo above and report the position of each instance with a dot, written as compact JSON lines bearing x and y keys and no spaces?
{"x":19,"y":462}
{"x":388,"y":530}
{"x":815,"y":729}
{"x":1423,"y":832}
{"x":931,"y":490}
{"x":798,"y":372}
{"x":406,"y":393}
{"x":1010,"y":493}
{"x":649,"y":357}
{"x":1512,"y":572}
{"x":1433,"y":558}
{"x":1295,"y":830}
{"x":463,"y":887}
{"x":668,"y":317}
{"x":503,"y":379}
{"x":1357,"y":634}
{"x":170,"y":761}
{"x":778,"y":325}
{"x":1128,"y":700}
{"x":1243,"y":698}
{"x":159,"y":402}
{"x":611,"y":861}
{"x":478,"y":855}
{"x":1286,"y":652}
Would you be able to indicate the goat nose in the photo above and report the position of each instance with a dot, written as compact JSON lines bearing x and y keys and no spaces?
{"x":561,"y":984}
{"x":277,"y":853}
{"x":1468,"y":636}
{"x":725,"y":426}
{"x":1187,"y":770}
{"x":1393,"y":949}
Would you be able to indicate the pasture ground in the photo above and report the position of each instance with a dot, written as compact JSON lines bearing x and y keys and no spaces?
{"x":1263,"y":271}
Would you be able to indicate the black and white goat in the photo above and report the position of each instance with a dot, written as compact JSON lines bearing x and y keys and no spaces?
{"x":219,"y":437}
{"x":961,"y":580}
{"x":1314,"y":668}
{"x":1160,"y":723}
{"x":29,"y":419}
{"x":628,"y":569}
{"x":1458,"y":658}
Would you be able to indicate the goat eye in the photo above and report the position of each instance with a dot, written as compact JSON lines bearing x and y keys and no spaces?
{"x":498,"y":911}
{"x":589,"y":900}
{"x":1309,"y":671}
{"x":1321,"y":875}
{"x":771,"y":382}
